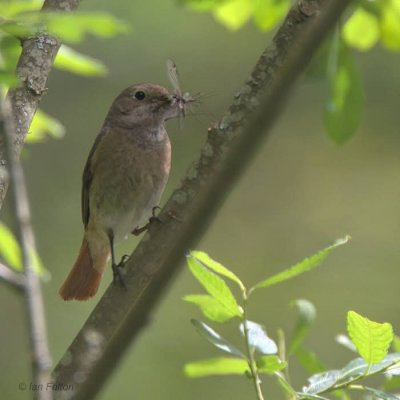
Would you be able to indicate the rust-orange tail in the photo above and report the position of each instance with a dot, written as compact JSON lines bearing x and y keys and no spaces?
{"x":83,"y":280}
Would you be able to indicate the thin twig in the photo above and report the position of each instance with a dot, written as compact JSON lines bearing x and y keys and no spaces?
{"x":41,"y":361}
{"x":33,"y":69}
{"x":15,"y":279}
{"x":120,"y":314}
{"x":250,"y":352}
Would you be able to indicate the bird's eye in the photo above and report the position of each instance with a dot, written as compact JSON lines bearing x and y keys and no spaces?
{"x":140,"y":95}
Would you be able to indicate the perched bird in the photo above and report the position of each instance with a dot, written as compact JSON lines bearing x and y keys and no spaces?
{"x":124,"y":177}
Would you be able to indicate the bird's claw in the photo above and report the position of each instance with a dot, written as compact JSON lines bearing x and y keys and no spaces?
{"x":117,"y":275}
{"x":137,"y":231}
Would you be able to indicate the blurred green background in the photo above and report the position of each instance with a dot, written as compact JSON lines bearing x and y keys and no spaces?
{"x":300,"y":193}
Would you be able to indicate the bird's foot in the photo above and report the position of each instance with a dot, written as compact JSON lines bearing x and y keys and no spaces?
{"x":137,"y":231}
{"x":117,"y":275}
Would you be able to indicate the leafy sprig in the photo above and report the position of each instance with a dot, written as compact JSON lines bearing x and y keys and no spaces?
{"x":259,"y":354}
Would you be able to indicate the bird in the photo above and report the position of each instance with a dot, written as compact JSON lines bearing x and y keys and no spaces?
{"x":124,"y":177}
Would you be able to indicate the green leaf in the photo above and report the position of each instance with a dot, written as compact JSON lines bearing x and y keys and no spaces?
{"x":390,"y":24}
{"x":233,"y":13}
{"x":372,"y":339}
{"x":358,"y":367}
{"x":68,"y":59}
{"x":309,"y":360}
{"x":10,"y":251}
{"x":9,"y":248}
{"x":306,"y":319}
{"x":71,"y":27}
{"x":301,"y":267}
{"x":270,"y":364}
{"x":258,"y":338}
{"x":211,"y":308}
{"x":215,"y":338}
{"x":322,"y":381}
{"x":344,"y":104}
{"x":216,"y":366}
{"x":378,"y":394}
{"x":361,"y":30}
{"x":267,"y":13}
{"x":215,"y":286}
{"x":215,"y":266}
{"x":42,"y":126}
{"x":10,"y":9}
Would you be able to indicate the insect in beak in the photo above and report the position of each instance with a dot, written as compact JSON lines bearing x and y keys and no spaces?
{"x":181,"y":99}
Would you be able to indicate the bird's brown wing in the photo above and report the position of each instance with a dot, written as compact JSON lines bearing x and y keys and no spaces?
{"x":87,"y":179}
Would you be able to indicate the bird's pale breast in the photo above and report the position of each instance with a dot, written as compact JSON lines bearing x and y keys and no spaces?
{"x":128,"y":180}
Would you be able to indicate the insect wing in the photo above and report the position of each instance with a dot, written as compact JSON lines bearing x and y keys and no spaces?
{"x":173,"y":77}
{"x":172,"y":71}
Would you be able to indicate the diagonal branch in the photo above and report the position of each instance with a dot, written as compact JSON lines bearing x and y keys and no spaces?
{"x":120,"y":314}
{"x":41,"y":361}
{"x":33,"y":69}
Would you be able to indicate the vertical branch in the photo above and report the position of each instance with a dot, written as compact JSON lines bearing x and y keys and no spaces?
{"x":41,"y":361}
{"x":33,"y":69}
{"x":16,"y":114}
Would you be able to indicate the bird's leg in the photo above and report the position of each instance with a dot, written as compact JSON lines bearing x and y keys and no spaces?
{"x":137,"y":231}
{"x":116,"y":268}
